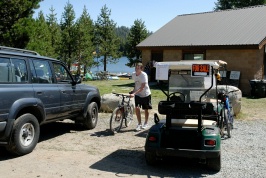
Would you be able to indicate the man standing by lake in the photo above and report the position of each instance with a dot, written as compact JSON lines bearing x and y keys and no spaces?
{"x":142,"y":94}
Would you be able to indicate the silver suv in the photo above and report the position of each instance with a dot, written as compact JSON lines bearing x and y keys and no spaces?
{"x":35,"y":90}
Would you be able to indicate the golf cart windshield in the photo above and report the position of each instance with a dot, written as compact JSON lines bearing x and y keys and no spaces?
{"x":190,"y":80}
{"x":191,"y":87}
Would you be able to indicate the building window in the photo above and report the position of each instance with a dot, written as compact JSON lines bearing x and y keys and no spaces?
{"x":157,"y":56}
{"x":193,"y":55}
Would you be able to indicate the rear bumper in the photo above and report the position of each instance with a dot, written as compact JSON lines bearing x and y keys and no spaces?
{"x":186,"y":153}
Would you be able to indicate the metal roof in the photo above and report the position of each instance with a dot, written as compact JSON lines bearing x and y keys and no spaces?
{"x":246,"y":26}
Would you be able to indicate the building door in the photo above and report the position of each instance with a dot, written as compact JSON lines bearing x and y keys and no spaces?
{"x":264,"y":63}
{"x":156,"y":56}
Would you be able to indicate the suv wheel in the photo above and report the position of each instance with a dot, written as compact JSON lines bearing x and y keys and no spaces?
{"x":92,"y":116}
{"x":25,"y":135}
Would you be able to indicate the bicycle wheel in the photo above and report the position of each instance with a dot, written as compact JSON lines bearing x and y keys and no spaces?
{"x":116,"y":120}
{"x":232,"y":117}
{"x":227,"y":123}
{"x":129,"y":115}
{"x":221,"y":122}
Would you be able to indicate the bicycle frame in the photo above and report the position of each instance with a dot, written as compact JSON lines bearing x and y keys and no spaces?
{"x":227,"y":118}
{"x":125,"y":109}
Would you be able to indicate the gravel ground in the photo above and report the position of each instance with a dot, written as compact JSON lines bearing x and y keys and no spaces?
{"x":244,"y":155}
{"x":73,"y":152}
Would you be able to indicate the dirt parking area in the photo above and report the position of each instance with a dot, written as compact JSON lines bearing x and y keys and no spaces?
{"x":66,"y":150}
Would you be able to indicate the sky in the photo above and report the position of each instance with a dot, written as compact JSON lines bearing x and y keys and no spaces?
{"x":154,"y":13}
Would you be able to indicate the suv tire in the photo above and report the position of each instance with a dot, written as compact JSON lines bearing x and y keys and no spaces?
{"x":25,"y":135}
{"x":92,"y":116}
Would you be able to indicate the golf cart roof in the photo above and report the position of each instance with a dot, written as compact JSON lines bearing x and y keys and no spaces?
{"x":186,"y":64}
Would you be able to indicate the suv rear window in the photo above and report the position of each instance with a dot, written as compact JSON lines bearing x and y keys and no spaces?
{"x":13,"y":70}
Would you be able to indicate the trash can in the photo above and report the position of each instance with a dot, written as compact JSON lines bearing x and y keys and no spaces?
{"x":252,"y":85}
{"x":258,"y":88}
{"x":261,"y":89}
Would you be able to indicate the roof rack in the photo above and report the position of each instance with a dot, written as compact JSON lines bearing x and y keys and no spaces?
{"x":17,"y":50}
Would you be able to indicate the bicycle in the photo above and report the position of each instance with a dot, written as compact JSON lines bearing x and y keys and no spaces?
{"x":102,"y":75}
{"x":226,"y":120}
{"x":123,"y":112}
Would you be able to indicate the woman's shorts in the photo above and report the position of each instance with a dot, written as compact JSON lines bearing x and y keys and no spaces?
{"x":144,"y":103}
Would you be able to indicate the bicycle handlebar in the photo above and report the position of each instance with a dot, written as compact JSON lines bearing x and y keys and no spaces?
{"x":232,"y":91}
{"x":123,"y":95}
{"x":226,"y":93}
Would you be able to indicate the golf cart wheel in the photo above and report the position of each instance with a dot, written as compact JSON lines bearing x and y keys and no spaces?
{"x":214,"y":163}
{"x":151,"y":158}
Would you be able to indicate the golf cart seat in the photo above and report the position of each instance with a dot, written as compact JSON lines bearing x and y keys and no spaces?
{"x":179,"y":109}
{"x":189,"y":122}
{"x":186,"y":114}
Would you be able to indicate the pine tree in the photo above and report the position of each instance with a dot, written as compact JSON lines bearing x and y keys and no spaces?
{"x":122,"y":33}
{"x":106,"y":39}
{"x":68,"y":29}
{"x":15,"y":16}
{"x":40,"y":37}
{"x":231,"y":4}
{"x":138,"y":33}
{"x":85,"y":48}
{"x":55,"y":32}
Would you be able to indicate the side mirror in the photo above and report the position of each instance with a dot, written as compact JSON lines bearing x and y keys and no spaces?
{"x":77,"y":79}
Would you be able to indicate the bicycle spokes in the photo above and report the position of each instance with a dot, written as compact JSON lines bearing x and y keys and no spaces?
{"x":118,"y":117}
{"x":129,"y":115}
{"x":116,"y":120}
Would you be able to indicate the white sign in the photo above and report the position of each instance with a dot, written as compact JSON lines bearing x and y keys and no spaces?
{"x":235,"y":75}
{"x":162,"y":71}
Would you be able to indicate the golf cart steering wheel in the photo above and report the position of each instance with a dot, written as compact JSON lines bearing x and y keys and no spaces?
{"x":173,"y":97}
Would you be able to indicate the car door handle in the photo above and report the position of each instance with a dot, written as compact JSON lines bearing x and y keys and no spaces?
{"x":39,"y":92}
{"x":63,"y":91}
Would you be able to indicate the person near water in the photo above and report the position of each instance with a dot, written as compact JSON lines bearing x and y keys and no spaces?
{"x":142,"y":95}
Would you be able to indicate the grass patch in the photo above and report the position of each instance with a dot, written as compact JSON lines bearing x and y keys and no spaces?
{"x":125,"y":86}
{"x":109,"y":86}
{"x":250,"y":108}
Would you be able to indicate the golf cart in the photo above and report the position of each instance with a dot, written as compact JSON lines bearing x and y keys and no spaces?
{"x":192,"y":112}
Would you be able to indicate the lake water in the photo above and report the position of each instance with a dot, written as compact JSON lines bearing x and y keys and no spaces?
{"x":119,"y":67}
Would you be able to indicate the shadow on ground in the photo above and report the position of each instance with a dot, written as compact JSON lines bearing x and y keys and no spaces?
{"x":55,"y":129}
{"x":132,"y":162}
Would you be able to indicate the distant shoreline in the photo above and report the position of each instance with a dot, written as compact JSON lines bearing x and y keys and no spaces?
{"x":118,"y":68}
